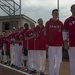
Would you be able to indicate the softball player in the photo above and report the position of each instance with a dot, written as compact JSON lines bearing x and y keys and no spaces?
{"x":12,"y":47}
{"x":25,"y":51}
{"x":7,"y":47}
{"x":40,"y":47}
{"x":1,"y":45}
{"x":17,"y":49}
{"x":4,"y":49}
{"x":30,"y":37}
{"x":69,"y":28}
{"x":54,"y":29}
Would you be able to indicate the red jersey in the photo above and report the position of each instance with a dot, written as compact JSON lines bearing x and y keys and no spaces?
{"x":23,"y":38}
{"x":7,"y":43}
{"x":1,"y":43}
{"x":40,"y":42}
{"x":12,"y":38}
{"x":19,"y":38}
{"x":69,"y":25}
{"x":31,"y":42}
{"x":54,"y":32}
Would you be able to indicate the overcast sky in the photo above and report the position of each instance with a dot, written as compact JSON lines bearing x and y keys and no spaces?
{"x":42,"y":8}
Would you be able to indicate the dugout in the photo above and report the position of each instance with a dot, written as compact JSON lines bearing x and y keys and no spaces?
{"x":5,"y":24}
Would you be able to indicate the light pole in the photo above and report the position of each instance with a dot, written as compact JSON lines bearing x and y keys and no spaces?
{"x":58,"y":7}
{"x":20,"y":12}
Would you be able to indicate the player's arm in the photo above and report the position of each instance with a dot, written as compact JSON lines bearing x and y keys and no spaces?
{"x":28,"y":38}
{"x":47,"y":30}
{"x":65,"y":38}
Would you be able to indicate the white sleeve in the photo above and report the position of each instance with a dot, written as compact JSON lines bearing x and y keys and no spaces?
{"x":65,"y":35}
{"x":12,"y":39}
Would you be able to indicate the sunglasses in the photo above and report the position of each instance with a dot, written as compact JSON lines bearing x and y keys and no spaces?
{"x":55,"y":13}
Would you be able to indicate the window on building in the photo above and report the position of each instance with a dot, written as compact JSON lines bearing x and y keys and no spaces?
{"x":8,"y":26}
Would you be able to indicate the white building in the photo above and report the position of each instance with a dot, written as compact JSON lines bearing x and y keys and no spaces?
{"x":7,"y":22}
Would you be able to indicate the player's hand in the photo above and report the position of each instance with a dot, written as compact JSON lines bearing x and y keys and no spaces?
{"x":66,"y":46}
{"x":47,"y":45}
{"x":35,"y":35}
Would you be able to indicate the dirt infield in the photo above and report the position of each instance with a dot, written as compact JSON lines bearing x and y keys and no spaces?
{"x":6,"y":71}
{"x":64,"y":69}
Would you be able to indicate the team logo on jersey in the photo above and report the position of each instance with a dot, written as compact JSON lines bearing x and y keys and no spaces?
{"x":20,"y":36}
{"x":31,"y":34}
{"x":55,"y":26}
{"x":59,"y":30}
{"x":72,"y":23}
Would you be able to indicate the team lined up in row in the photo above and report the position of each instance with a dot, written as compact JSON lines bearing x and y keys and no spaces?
{"x":33,"y":40}
{"x":37,"y":40}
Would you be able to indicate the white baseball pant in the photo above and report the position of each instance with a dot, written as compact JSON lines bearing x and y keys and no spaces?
{"x":18,"y":55}
{"x":0,"y":55}
{"x":71,"y":52}
{"x":31,"y":59}
{"x":12,"y":48}
{"x":55,"y":58}
{"x":40,"y":60}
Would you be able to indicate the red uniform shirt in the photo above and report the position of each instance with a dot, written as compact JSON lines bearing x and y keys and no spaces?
{"x":54,"y":32}
{"x":69,"y":25}
{"x":7,"y":43}
{"x":12,"y":38}
{"x":31,"y":42}
{"x":19,"y":38}
{"x":23,"y":38}
{"x":1,"y":43}
{"x":40,"y":43}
